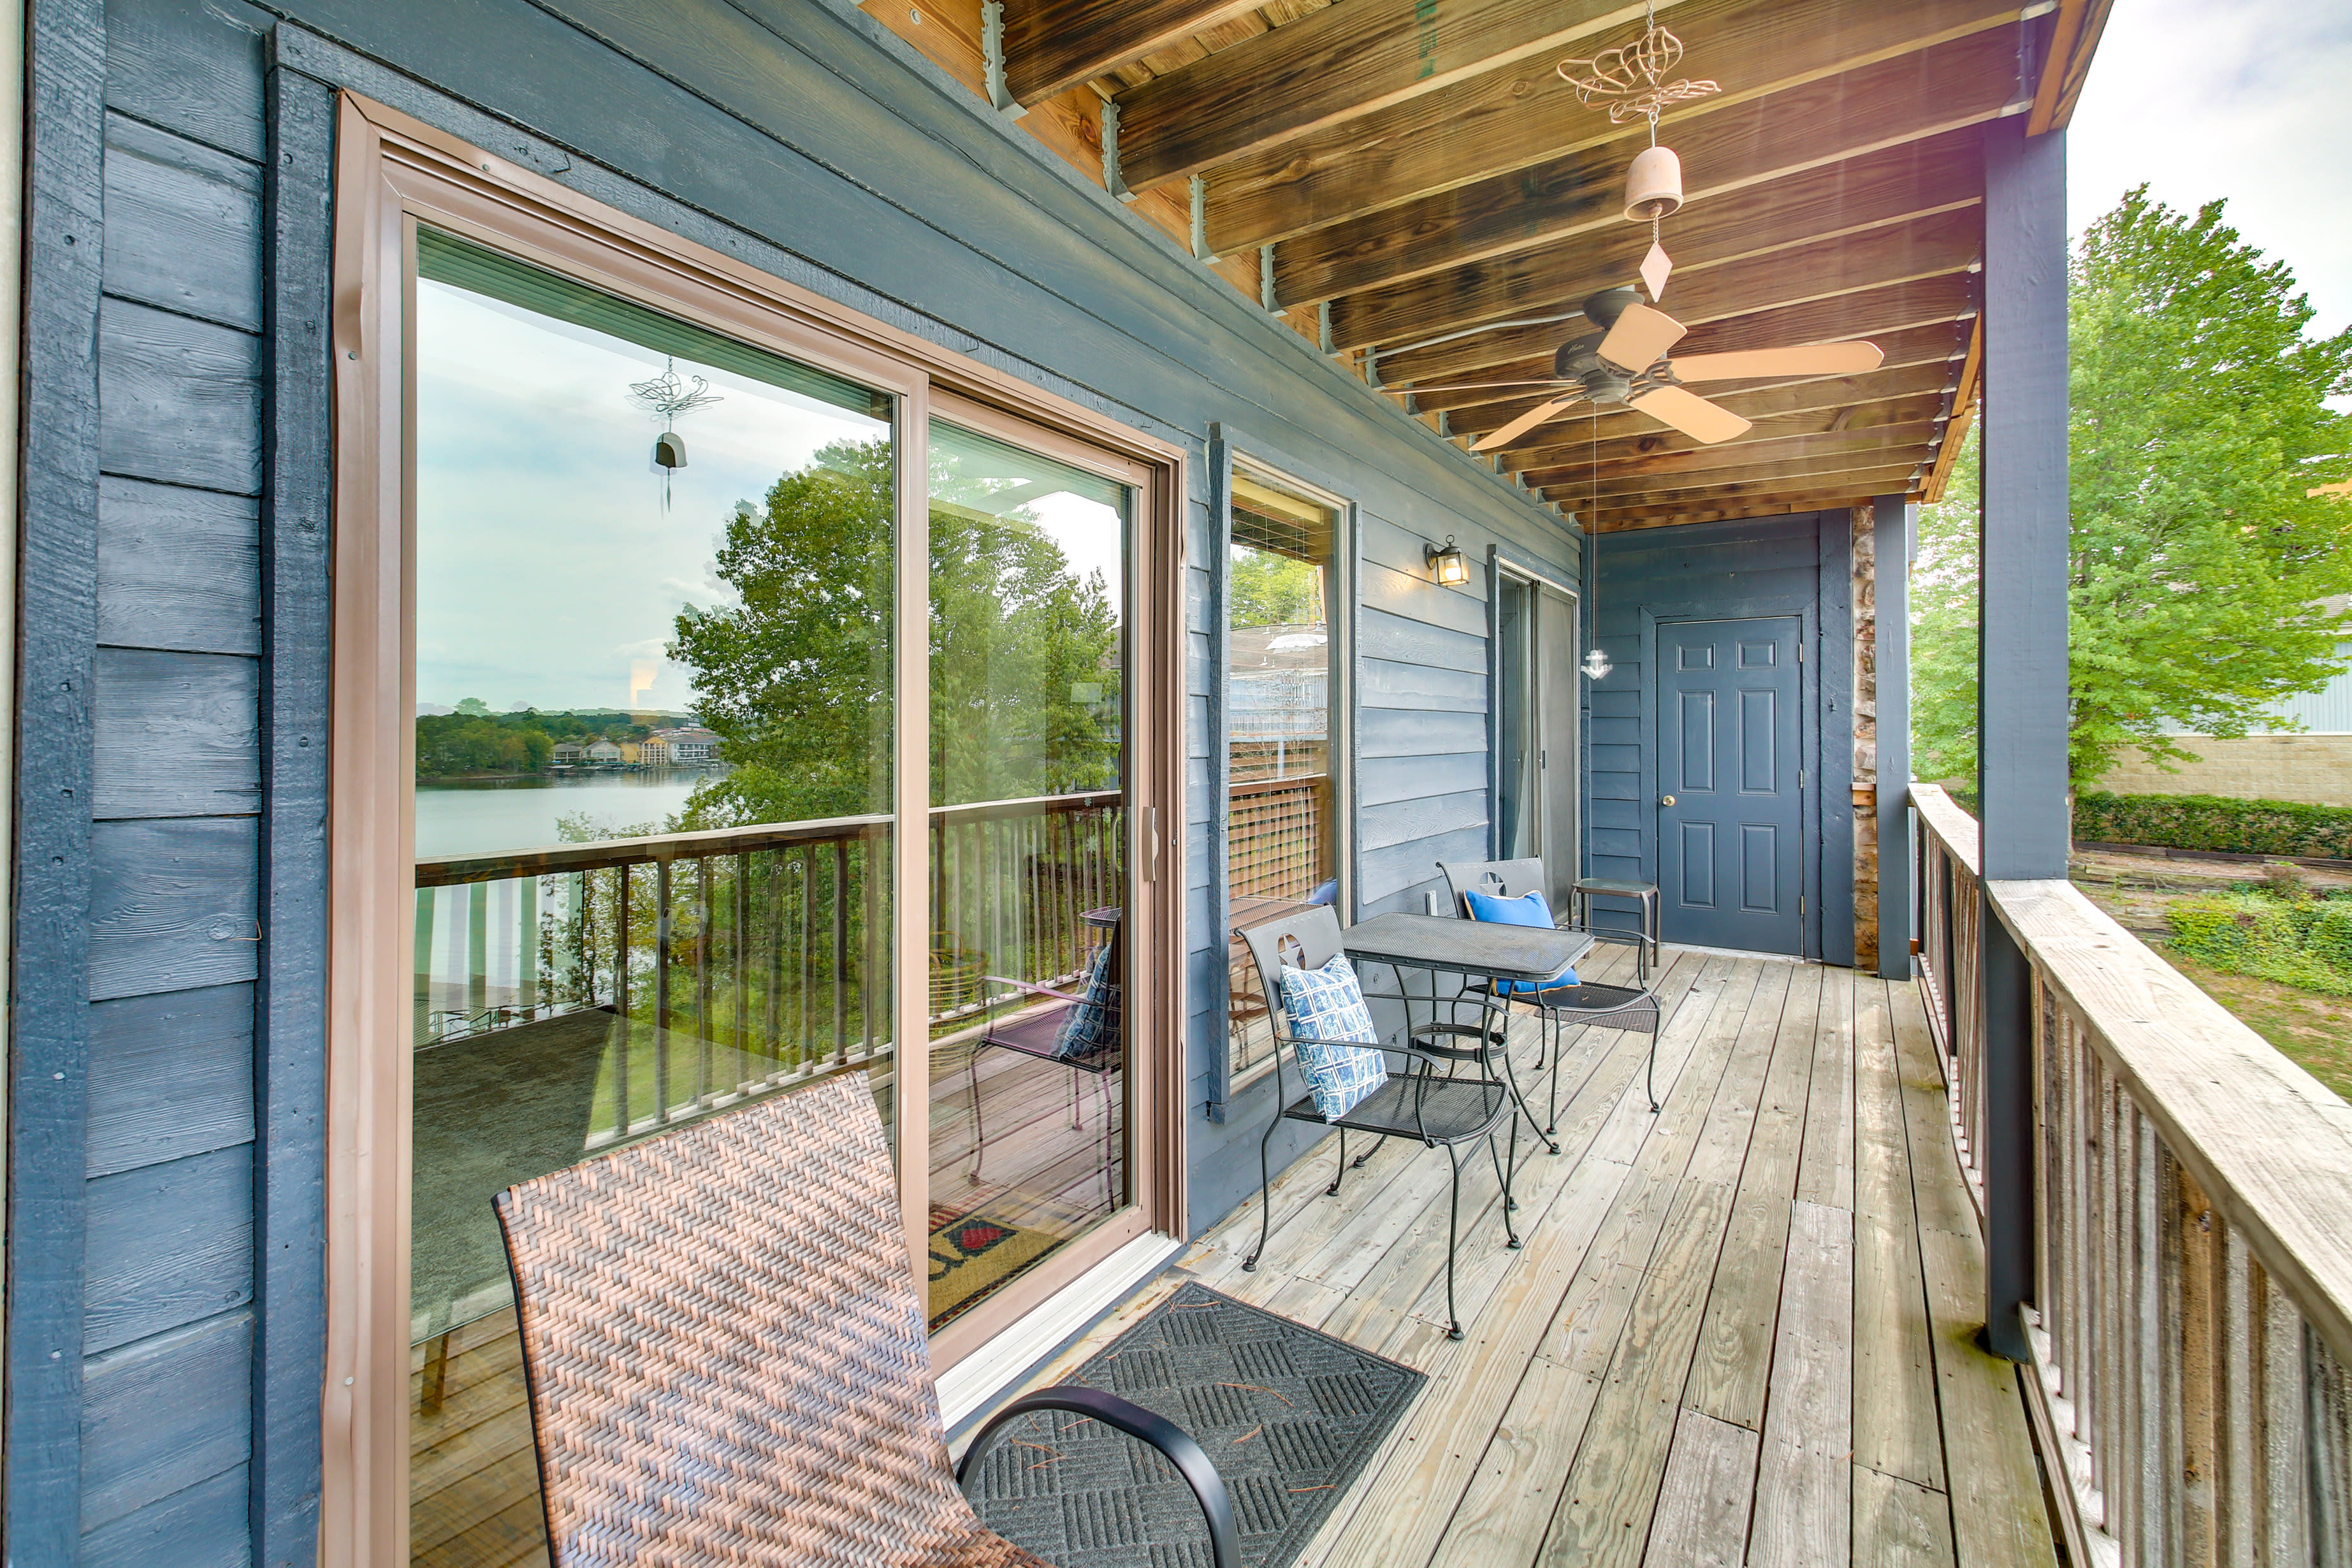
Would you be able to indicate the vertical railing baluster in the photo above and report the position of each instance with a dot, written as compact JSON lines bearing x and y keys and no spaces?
{"x":421,"y":1008}
{"x":621,"y":1085}
{"x":736,"y":975}
{"x":776,"y":1001}
{"x":702,"y":961}
{"x":477,"y":934}
{"x":663,"y":892}
{"x":841,"y":950}
{"x":527,"y":936}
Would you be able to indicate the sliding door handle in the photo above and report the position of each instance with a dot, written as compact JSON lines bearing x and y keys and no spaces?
{"x":1148,"y":825}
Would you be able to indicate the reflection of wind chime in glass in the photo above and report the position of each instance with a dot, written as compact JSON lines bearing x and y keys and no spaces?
{"x":665,"y":398}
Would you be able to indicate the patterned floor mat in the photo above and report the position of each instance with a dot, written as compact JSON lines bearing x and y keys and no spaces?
{"x":1288,"y":1416}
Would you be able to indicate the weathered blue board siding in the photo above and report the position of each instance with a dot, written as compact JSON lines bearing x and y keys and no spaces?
{"x":1797,"y":566}
{"x":798,"y":137}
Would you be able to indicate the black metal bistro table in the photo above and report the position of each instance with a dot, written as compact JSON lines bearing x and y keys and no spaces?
{"x":1481,"y":950}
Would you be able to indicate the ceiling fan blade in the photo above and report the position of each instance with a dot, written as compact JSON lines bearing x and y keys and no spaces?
{"x":1807,"y":359}
{"x":1522,"y":424}
{"x":1639,"y":338}
{"x":1689,"y":413}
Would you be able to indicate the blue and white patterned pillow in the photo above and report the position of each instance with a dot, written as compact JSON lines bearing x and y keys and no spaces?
{"x":1324,"y":1005}
{"x":1092,"y":1024}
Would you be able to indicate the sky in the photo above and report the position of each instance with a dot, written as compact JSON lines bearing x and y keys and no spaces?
{"x":2247,"y":99}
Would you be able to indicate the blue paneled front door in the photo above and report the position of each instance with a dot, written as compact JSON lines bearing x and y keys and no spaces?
{"x":1729,"y":788}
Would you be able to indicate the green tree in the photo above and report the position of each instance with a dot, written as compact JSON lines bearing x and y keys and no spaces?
{"x":1271,"y":590}
{"x":796,"y":677}
{"x":2200,"y":565}
{"x":472,"y":707}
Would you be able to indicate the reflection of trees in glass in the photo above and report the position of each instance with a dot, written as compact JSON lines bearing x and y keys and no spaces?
{"x":796,"y":678}
{"x":1271,"y":590}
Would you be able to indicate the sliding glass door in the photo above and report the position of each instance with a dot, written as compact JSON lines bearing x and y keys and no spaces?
{"x":657,"y":656}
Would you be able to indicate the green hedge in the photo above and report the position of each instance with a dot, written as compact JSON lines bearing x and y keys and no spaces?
{"x":2306,"y":944}
{"x":2215,"y":822}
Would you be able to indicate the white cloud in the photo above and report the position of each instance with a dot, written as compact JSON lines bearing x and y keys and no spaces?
{"x":2246,"y":101}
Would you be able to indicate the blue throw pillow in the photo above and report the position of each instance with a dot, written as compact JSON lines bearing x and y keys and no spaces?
{"x":1092,"y":1024}
{"x":1527,"y":909}
{"x":1325,"y":1004}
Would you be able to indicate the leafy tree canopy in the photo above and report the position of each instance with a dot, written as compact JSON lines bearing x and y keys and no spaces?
{"x":795,"y":678}
{"x":2204,"y":576}
{"x":1271,"y":590}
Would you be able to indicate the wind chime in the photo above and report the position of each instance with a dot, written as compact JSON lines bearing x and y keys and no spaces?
{"x":1633,"y":81}
{"x":666,"y":396}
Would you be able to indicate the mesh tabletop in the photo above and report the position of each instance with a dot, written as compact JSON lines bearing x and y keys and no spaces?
{"x":1464,"y":947}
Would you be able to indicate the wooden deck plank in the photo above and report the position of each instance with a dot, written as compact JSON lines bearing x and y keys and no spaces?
{"x":1939,"y":1193}
{"x":1804,"y":1509}
{"x":1734,"y":1362}
{"x":1703,"y":1503}
{"x":1898,"y":1525}
{"x":1826,"y":1175}
{"x":1999,"y":1520}
{"x":1894,"y":1429}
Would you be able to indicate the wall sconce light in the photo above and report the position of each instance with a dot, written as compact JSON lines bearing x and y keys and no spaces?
{"x":1447,"y":569}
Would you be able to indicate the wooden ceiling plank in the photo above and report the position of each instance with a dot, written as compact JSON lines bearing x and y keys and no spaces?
{"x":1571,"y":463}
{"x":1732,"y":512}
{"x":1730,"y":454}
{"x":1795,"y":473}
{"x":1051,"y":46}
{"x":1354,"y":58}
{"x":1833,"y":490}
{"x":1760,"y":50}
{"x":1935,"y":343}
{"x":1915,"y":180}
{"x":1956,"y":429}
{"x":1858,"y":391}
{"x":1908,"y":98}
{"x":1941,"y":246}
{"x":1569,"y":448}
{"x":2073,"y":39}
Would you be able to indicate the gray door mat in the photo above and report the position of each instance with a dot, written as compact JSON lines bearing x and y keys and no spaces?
{"x":1289,"y":1415}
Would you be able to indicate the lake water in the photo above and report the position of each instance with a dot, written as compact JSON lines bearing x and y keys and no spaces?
{"x":486,"y":816}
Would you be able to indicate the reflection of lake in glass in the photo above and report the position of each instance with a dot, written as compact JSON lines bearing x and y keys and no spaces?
{"x":461,"y":818}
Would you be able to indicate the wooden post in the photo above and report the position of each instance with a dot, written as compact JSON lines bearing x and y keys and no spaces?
{"x":1891,"y":522}
{"x":2021,"y":659}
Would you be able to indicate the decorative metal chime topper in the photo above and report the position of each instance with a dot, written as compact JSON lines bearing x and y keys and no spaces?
{"x":665,"y":398}
{"x":1632,"y":80}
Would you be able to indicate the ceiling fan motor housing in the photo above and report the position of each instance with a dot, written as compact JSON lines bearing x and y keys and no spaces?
{"x":1654,"y":185}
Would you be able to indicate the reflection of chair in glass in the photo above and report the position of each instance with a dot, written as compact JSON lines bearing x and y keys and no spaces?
{"x":728,"y":1360}
{"x":1434,"y":1110}
{"x":1631,"y":1007}
{"x":1081,"y":1032}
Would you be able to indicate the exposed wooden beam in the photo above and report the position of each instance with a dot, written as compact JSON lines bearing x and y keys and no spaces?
{"x":1562,"y":448}
{"x":1733,"y":511}
{"x":1908,"y":99}
{"x":2073,"y":39}
{"x":1964,"y":408}
{"x":1938,"y":343}
{"x":1859,"y":483}
{"x":1944,"y":245}
{"x":1911,"y":180}
{"x":1051,"y":46}
{"x":1695,"y":459}
{"x":1346,"y":60}
{"x":1763,"y":51}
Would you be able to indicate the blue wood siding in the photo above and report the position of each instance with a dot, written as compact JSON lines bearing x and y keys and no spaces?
{"x":797,"y":137}
{"x":1770,"y":566}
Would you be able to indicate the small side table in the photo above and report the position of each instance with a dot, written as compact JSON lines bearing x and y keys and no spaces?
{"x":1587,"y":889}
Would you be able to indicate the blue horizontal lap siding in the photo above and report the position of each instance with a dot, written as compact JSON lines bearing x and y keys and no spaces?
{"x":804,"y":141}
{"x":168,"y":1332}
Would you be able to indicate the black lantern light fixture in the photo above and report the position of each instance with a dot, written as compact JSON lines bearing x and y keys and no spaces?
{"x":1447,"y":569}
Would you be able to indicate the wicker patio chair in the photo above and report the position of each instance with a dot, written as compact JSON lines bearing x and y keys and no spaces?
{"x":1429,"y":1104}
{"x":727,"y":1360}
{"x":1630,"y":1007}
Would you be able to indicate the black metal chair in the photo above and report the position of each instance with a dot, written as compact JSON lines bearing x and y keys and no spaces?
{"x":1429,"y":1103}
{"x":1038,"y":1034}
{"x":1633,"y":1009}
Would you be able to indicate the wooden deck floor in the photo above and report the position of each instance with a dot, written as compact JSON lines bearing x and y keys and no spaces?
{"x":1741,"y":1331}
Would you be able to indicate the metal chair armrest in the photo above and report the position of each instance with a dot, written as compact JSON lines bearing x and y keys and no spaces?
{"x":1294,"y":1041}
{"x":1176,"y":1445}
{"x":1033,"y":989}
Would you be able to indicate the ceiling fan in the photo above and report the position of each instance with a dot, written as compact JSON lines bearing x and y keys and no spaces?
{"x":1627,"y":363}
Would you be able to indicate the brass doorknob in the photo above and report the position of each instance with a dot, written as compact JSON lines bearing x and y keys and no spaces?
{"x":1666,"y":800}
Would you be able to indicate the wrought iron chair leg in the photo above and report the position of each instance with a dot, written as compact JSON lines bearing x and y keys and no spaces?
{"x":979,"y":1133}
{"x":1453,"y":1230}
{"x":1551,"y":1117}
{"x":1077,"y":1108}
{"x":1110,"y":1151}
{"x":1511,"y":1081}
{"x":1503,"y":1174}
{"x":1264,"y":1196}
{"x":1650,"y":1073}
{"x":1340,"y":1175}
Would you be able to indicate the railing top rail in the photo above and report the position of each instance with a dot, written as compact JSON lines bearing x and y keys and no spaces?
{"x":1269,"y":786}
{"x":1948,"y":823}
{"x":2270,"y":1145}
{"x":451,"y":870}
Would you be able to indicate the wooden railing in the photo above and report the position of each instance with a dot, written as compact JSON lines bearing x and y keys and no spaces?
{"x":743,"y":959}
{"x":2192,"y":1315}
{"x":1274,"y":837}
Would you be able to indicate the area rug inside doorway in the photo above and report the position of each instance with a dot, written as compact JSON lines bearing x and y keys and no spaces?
{"x":1288,"y":1415}
{"x":974,"y":1251}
